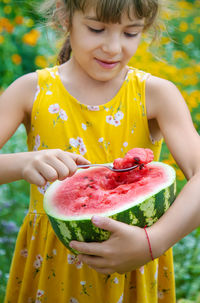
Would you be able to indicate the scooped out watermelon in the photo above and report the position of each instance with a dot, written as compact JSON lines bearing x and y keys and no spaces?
{"x":138,"y":197}
{"x":134,"y":156}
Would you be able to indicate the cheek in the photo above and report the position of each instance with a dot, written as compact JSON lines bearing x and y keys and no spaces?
{"x":133,"y":46}
{"x":81,"y":40}
{"x":82,"y":46}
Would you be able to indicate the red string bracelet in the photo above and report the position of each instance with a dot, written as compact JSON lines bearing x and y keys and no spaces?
{"x":152,"y":258}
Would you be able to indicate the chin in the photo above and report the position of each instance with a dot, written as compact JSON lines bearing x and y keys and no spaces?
{"x":104,"y":76}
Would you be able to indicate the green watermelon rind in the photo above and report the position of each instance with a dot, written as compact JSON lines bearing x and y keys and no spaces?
{"x":146,"y":212}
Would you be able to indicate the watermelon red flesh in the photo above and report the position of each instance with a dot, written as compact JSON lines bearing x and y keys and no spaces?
{"x":134,"y":156}
{"x":157,"y":180}
{"x":99,"y":190}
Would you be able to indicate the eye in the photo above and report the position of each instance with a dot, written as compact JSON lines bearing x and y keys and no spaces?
{"x":131,"y":35}
{"x":95,"y":30}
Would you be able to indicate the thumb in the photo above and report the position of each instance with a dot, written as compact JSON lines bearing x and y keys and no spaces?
{"x":106,"y":223}
{"x":79,"y":159}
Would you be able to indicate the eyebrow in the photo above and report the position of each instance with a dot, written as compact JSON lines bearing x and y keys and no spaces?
{"x":129,"y":25}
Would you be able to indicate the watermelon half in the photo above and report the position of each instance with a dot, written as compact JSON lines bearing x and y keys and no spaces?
{"x":139,"y":197}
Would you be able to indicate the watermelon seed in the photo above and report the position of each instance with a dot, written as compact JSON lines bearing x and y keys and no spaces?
{"x":137,"y":160}
{"x":141,"y":166}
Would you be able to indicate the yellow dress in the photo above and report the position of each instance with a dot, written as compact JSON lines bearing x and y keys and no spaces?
{"x":43,"y":270}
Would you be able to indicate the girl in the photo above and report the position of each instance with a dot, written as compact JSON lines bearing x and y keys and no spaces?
{"x":93,"y":106}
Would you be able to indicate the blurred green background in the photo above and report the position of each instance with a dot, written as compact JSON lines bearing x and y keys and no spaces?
{"x":26,"y":45}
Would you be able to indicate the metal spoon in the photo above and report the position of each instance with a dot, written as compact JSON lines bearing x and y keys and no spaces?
{"x":118,"y":170}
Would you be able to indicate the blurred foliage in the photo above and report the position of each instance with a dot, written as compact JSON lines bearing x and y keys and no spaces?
{"x":25,"y":45}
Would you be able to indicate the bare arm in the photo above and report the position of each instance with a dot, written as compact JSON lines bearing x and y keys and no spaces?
{"x":15,"y":108}
{"x":166,"y":105}
{"x":127,"y":247}
{"x":35,"y":167}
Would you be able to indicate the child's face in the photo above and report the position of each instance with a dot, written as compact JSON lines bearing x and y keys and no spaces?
{"x":102,"y":50}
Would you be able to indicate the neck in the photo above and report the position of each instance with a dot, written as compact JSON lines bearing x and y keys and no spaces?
{"x":86,"y":89}
{"x":76,"y":73}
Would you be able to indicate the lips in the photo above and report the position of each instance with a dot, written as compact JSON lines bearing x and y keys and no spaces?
{"x":107,"y":64}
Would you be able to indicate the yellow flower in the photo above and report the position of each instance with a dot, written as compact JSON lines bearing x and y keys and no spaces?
{"x":19,"y":20}
{"x":183,"y":26}
{"x":197,"y":67}
{"x":166,"y":15}
{"x":168,"y":161}
{"x":192,"y":103}
{"x":165,"y":40}
{"x":197,"y":20}
{"x":180,"y":175}
{"x":31,"y":38}
{"x":6,"y":25}
{"x":188,"y":39}
{"x":179,"y":54}
{"x":7,"y":9}
{"x":196,"y":94}
{"x":1,"y":39}
{"x":193,"y":99}
{"x":185,"y":5}
{"x":16,"y":59}
{"x":29,"y":22}
{"x":41,"y":61}
{"x":6,"y":1}
{"x":197,"y":116}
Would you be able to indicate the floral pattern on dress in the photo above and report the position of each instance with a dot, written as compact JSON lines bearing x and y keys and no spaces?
{"x":37,"y":92}
{"x":60,"y":113}
{"x":93,"y":108}
{"x":116,"y":119}
{"x":77,"y":145}
{"x":73,"y":300}
{"x":24,"y":252}
{"x":44,"y":270}
{"x":42,"y":189}
{"x":37,"y":143}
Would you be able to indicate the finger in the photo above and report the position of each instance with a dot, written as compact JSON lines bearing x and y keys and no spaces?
{"x":97,"y":263}
{"x":107,"y":223}
{"x":68,"y":162}
{"x":63,"y":169}
{"x":105,"y":271}
{"x":47,"y":172}
{"x":36,"y":179}
{"x":93,"y":261}
{"x":93,"y":248}
{"x":79,"y":159}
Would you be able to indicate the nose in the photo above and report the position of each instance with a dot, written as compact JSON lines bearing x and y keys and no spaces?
{"x":112,"y":45}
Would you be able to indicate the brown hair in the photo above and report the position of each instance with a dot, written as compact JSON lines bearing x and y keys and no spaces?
{"x":108,"y":11}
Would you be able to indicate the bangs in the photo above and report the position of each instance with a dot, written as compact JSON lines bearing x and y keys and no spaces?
{"x":110,"y":11}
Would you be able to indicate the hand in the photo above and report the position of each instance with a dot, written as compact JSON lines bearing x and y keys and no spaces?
{"x":125,"y":250}
{"x":49,"y":165}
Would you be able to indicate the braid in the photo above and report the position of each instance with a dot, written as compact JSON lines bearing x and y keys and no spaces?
{"x":65,"y":52}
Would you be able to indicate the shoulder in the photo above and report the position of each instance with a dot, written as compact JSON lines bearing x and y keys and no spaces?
{"x":24,"y":89}
{"x":16,"y":105}
{"x":162,"y":96}
{"x":159,"y":85}
{"x":28,"y":81}
{"x":17,"y":100}
{"x":136,"y":74}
